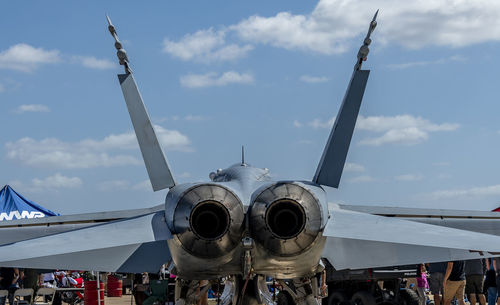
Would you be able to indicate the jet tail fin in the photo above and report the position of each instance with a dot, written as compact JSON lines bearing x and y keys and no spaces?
{"x":156,"y":163}
{"x":334,"y":155}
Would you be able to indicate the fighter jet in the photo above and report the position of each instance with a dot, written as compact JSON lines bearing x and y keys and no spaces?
{"x":243,"y":226}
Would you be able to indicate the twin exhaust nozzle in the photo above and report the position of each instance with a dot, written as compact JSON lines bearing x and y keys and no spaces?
{"x":213,"y":227}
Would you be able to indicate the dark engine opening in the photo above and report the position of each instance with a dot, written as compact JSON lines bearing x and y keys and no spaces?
{"x":209,"y":220}
{"x":285,"y":218}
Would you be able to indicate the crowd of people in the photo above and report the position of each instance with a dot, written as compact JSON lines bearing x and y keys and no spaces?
{"x":477,"y":280}
{"x":12,"y":279}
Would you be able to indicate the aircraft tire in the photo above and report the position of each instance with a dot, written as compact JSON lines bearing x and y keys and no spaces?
{"x":363,"y":297}
{"x":284,"y":298}
{"x":336,"y":297}
{"x":408,"y":297}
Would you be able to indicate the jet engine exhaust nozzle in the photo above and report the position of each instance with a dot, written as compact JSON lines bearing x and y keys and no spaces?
{"x":285,"y":219}
{"x":208,"y":221}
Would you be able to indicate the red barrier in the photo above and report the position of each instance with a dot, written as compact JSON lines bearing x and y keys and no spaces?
{"x":90,"y":293}
{"x":115,"y":287}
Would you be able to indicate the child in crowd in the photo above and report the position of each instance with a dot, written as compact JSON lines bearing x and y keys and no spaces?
{"x":421,"y":283}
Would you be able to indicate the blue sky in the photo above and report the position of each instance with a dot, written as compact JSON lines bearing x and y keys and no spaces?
{"x":268,"y":75}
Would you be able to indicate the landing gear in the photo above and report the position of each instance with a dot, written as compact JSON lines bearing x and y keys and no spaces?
{"x":408,"y":297}
{"x":337,"y":298}
{"x":189,"y":292}
{"x":302,"y":291}
{"x":363,"y":298}
{"x":240,"y":290}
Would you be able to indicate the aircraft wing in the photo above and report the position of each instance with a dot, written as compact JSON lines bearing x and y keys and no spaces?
{"x":358,"y":240}
{"x":477,"y":221}
{"x":134,"y":244}
{"x":22,"y":229}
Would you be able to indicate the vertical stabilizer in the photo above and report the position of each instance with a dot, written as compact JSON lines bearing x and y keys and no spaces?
{"x":332,"y":161}
{"x":156,"y":163}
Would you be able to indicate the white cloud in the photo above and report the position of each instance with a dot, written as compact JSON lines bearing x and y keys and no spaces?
{"x":94,"y":63}
{"x":57,"y":181}
{"x":492,"y":190}
{"x":124,"y":185}
{"x":32,"y":108}
{"x":408,"y":136}
{"x":187,"y":118}
{"x":213,"y":79}
{"x":313,"y":79}
{"x":332,"y":26}
{"x":88,"y":153}
{"x":205,"y":46}
{"x":185,"y":175}
{"x":297,"y":124}
{"x":384,"y":123}
{"x":114,"y":185}
{"x":353,"y":167}
{"x":400,"y":129}
{"x":409,"y":177}
{"x":53,"y":183}
{"x":443,"y":176}
{"x":194,"y":118}
{"x":300,"y":32}
{"x":25,"y":58}
{"x":318,"y":123}
{"x":144,"y":185}
{"x":426,"y":62}
{"x":363,"y":178}
{"x":329,"y":28}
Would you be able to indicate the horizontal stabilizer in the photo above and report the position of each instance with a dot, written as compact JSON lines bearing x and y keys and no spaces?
{"x":156,"y":163}
{"x":476,"y":221}
{"x":21,"y":229}
{"x":344,"y":253}
{"x":359,"y":240}
{"x":131,"y":245}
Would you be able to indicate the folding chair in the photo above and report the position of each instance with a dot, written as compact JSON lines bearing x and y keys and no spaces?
{"x":44,"y":294}
{"x":158,"y":292}
{"x":26,"y":292}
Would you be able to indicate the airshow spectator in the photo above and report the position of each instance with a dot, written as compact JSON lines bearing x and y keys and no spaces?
{"x":454,"y":282}
{"x":49,"y":280}
{"x":2,"y":299}
{"x":492,"y":281}
{"x":9,"y":282}
{"x":474,"y":280}
{"x":421,"y":283}
{"x":436,"y":279}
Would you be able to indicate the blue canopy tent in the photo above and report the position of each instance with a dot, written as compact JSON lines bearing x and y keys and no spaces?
{"x":14,"y":206}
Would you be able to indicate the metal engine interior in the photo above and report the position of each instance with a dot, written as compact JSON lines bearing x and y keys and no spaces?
{"x":285,"y":219}
{"x":208,"y":221}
